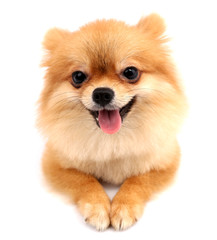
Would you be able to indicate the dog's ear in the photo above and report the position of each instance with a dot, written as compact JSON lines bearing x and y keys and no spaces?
{"x":153,"y":25}
{"x":53,"y":41}
{"x":53,"y":38}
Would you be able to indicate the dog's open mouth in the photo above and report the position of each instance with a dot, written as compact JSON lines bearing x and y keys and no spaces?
{"x":110,"y":120}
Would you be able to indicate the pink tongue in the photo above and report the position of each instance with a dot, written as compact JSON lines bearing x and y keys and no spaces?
{"x":109,"y":121}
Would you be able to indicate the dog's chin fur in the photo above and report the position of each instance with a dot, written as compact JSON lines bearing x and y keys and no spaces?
{"x":147,"y":137}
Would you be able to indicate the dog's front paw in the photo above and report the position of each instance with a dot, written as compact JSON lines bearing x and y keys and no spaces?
{"x":96,"y":214}
{"x":124,"y":214}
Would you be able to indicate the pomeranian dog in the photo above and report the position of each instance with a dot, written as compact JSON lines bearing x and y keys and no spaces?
{"x":110,"y":110}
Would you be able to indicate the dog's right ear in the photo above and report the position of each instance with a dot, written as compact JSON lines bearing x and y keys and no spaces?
{"x":54,"y":38}
{"x":52,"y":43}
{"x":153,"y":25}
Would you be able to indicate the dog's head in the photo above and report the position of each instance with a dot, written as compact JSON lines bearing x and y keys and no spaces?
{"x":109,"y":78}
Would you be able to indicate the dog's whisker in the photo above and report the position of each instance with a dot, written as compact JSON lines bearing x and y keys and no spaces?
{"x":64,"y":114}
{"x":63,"y":93}
{"x":65,"y":101}
{"x":144,"y":88}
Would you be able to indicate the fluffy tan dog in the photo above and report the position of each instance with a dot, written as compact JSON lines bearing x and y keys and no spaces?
{"x":110,"y":110}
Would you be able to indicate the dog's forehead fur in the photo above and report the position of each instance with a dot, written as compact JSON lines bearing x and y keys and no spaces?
{"x":106,"y":42}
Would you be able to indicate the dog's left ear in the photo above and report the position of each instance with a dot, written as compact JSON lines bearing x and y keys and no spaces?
{"x":153,"y":25}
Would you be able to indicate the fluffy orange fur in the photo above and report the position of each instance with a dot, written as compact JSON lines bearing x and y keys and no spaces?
{"x":143,"y":155}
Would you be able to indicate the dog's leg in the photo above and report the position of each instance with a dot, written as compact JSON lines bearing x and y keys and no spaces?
{"x":128,"y":204}
{"x":85,"y":191}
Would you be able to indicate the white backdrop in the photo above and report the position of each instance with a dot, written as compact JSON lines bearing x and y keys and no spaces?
{"x":28,"y":210}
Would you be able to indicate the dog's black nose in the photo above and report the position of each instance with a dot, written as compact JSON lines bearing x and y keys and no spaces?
{"x":103,"y":96}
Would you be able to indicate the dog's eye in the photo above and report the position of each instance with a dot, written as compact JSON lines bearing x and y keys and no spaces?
{"x":78,"y":78}
{"x":131,"y":73}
